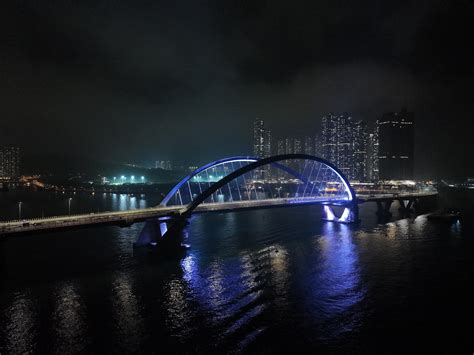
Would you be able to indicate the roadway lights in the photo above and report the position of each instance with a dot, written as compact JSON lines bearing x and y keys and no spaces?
{"x":143,"y":178}
{"x":132,"y":177}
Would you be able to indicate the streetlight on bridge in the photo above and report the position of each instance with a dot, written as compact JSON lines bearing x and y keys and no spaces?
{"x":69,"y":205}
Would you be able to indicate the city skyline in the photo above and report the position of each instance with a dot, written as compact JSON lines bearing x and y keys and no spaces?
{"x":171,"y":86}
{"x":351,"y":144}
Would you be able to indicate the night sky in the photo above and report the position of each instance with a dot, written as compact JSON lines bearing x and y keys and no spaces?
{"x":183,"y":80}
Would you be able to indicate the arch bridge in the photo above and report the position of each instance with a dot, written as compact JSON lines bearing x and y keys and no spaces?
{"x":243,"y":182}
{"x":231,"y":184}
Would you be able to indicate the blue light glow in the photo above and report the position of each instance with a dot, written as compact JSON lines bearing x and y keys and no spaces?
{"x":331,"y":187}
{"x":213,"y":164}
{"x":163,"y":228}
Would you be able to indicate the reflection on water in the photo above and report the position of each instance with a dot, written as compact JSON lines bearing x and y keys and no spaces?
{"x":249,"y":281}
{"x":70,"y":327}
{"x":128,"y":322}
{"x":19,"y":324}
{"x":339,"y":274}
{"x":335,"y":280}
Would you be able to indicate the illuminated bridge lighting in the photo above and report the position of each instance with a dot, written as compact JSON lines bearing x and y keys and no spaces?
{"x":297,"y":178}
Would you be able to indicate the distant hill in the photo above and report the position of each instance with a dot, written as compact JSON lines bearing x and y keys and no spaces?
{"x":64,"y":165}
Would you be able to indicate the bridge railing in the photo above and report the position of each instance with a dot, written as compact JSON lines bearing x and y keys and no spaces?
{"x":77,"y":215}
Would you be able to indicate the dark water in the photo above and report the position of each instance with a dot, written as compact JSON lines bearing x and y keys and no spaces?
{"x":266,"y":281}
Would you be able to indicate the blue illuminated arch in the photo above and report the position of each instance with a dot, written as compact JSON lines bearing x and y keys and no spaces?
{"x":212,"y":164}
{"x":254,"y":164}
{"x":267,"y":161}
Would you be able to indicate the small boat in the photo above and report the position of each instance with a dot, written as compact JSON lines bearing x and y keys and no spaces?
{"x":449,"y":215}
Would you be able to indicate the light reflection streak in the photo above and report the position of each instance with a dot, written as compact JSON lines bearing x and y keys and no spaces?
{"x":128,"y":320}
{"x":403,"y":227}
{"x":70,"y":326}
{"x":391,"y":230}
{"x":227,"y":290}
{"x":336,"y":283}
{"x":123,"y":200}
{"x":279,"y":264}
{"x":20,"y":332}
{"x":419,"y":224}
{"x":177,"y":307}
{"x":456,"y":227}
{"x":132,"y":203}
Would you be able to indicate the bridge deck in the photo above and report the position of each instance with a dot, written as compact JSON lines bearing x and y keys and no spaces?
{"x":126,"y":218}
{"x":395,"y":196}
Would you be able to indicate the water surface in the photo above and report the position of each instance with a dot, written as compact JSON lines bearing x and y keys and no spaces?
{"x":257,"y":281}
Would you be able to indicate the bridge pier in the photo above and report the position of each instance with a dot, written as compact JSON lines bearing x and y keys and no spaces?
{"x":383,"y":208}
{"x":349,"y":215}
{"x":405,"y":205}
{"x":161,"y":231}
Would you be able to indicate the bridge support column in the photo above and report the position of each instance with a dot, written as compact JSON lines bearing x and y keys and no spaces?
{"x":160,"y":231}
{"x":349,"y":215}
{"x":405,"y":205}
{"x":383,"y":208}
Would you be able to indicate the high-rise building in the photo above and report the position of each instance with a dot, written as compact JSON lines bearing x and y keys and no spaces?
{"x":258,"y":137}
{"x":308,"y":145}
{"x":360,"y":145}
{"x":289,"y":146}
{"x":344,"y":142}
{"x":9,"y":162}
{"x":297,"y":146}
{"x":281,"y":147}
{"x":345,"y":146}
{"x":372,"y":164}
{"x":396,"y":145}
{"x":267,"y":149}
{"x":318,"y":146}
{"x":329,"y":137}
{"x":262,"y":146}
{"x":261,"y":139}
{"x":337,"y":142}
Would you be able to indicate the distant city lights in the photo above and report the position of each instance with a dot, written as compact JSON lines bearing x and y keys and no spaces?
{"x":127,"y":180}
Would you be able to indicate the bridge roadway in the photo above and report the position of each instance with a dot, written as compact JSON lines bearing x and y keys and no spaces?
{"x":394,"y":196}
{"x":127,"y":218}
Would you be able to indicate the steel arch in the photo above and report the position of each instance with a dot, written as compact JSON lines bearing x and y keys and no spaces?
{"x":252,"y":166}
{"x":212,"y":164}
